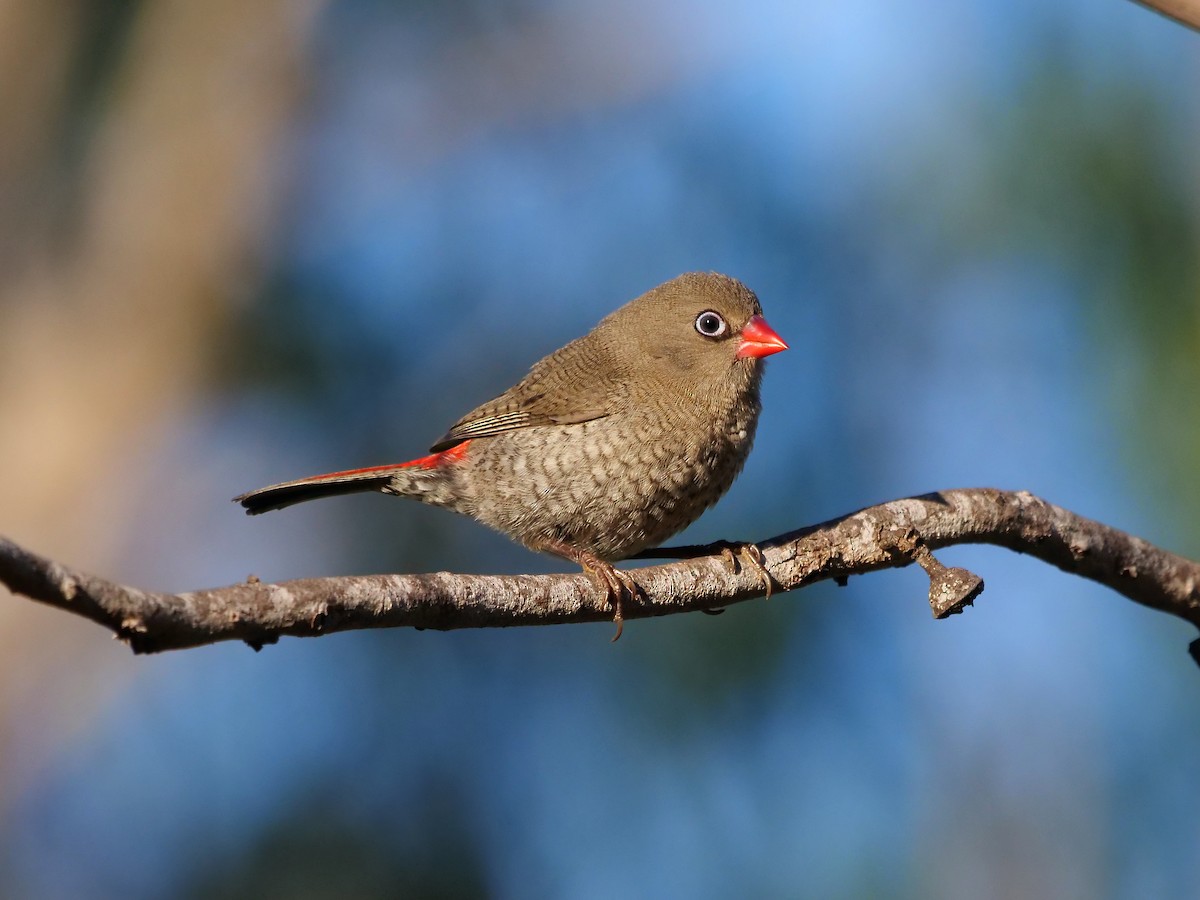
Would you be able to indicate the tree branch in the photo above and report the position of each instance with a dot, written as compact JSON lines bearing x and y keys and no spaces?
{"x":1185,"y":12}
{"x":890,"y":535}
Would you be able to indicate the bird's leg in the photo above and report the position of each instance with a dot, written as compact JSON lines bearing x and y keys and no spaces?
{"x":615,"y":583}
{"x":735,"y":554}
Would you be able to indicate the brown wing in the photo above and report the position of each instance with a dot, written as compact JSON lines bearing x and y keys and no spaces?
{"x":580,"y":382}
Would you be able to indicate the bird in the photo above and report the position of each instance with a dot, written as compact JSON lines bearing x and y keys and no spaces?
{"x":609,"y":445}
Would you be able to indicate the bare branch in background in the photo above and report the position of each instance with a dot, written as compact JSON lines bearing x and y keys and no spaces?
{"x":1185,"y":12}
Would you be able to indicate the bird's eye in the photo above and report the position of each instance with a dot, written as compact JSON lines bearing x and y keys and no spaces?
{"x":710,"y":324}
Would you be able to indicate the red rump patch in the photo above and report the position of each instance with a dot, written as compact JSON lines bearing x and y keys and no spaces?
{"x":454,"y":454}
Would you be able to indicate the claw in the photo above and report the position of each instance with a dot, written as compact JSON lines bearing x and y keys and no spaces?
{"x":735,"y":555}
{"x":749,"y":555}
{"x":616,"y":584}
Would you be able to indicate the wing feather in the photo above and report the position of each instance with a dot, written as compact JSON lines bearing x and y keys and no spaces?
{"x":578,"y":383}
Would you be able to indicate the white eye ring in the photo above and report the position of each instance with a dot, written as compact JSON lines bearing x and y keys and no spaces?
{"x":711,"y":324}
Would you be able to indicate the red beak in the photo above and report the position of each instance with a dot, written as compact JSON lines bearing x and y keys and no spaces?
{"x":759,"y":339}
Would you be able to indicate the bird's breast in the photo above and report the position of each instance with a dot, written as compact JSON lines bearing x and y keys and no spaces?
{"x":613,"y":485}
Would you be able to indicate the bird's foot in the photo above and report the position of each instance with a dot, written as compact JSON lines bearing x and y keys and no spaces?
{"x":736,"y":555}
{"x":616,"y":585}
{"x":749,"y":556}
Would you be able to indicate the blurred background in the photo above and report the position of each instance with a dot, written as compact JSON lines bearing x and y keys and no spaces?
{"x":241,"y":243}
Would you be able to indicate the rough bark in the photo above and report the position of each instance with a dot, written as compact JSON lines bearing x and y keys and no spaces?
{"x":889,"y":535}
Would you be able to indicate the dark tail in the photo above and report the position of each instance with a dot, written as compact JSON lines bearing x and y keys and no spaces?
{"x":277,"y":496}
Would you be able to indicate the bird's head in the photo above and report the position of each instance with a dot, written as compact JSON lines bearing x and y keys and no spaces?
{"x":698,"y":332}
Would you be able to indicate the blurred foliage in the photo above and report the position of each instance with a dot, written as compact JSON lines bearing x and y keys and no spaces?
{"x":105,"y":30}
{"x":302,"y":341}
{"x":1092,"y":177}
{"x":48,"y":147}
{"x":317,"y":848}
